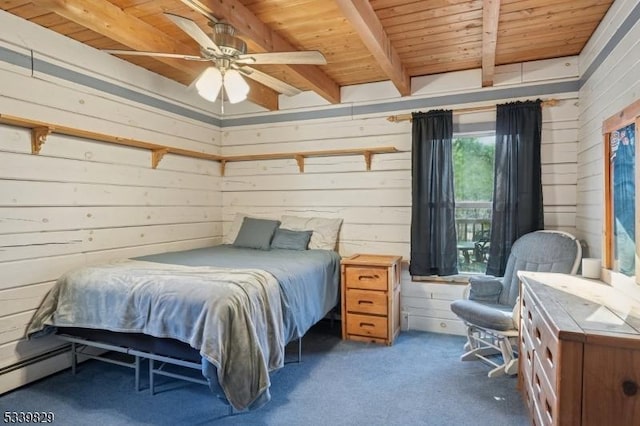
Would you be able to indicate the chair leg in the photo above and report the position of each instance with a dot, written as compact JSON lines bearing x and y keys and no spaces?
{"x":482,"y":344}
{"x":477,"y":347}
{"x":474,"y":354}
{"x":510,"y":358}
{"x":509,"y":364}
{"x":472,"y":341}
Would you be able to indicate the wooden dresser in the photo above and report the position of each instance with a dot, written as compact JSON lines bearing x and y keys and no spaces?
{"x":579,"y":351}
{"x":370,"y":293}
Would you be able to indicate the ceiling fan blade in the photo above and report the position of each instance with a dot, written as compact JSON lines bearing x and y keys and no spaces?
{"x":277,"y":85}
{"x":194,"y":31}
{"x":199,"y":7}
{"x":156,"y":54}
{"x":312,"y":57}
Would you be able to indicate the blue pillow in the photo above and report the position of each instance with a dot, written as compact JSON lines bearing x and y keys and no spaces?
{"x":291,"y":240}
{"x":256,"y":233}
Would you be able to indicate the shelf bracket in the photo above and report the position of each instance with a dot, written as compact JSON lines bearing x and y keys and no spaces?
{"x":156,"y":156}
{"x":300,"y":160}
{"x":223,"y":164}
{"x":38,"y":137}
{"x":367,"y":159}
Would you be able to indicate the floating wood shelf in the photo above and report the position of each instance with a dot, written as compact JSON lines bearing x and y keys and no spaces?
{"x":300,"y":156}
{"x":40,"y":131}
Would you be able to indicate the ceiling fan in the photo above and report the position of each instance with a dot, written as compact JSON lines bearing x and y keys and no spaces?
{"x":231,"y":61}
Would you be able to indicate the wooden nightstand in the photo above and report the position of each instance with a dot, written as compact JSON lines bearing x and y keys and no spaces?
{"x":370,"y":292}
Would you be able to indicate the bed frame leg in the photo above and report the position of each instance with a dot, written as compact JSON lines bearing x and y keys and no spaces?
{"x":300,"y":349}
{"x":137,"y":373}
{"x":74,"y":358}
{"x":151,"y":389}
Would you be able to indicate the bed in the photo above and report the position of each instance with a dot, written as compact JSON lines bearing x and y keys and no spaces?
{"x":233,"y":307}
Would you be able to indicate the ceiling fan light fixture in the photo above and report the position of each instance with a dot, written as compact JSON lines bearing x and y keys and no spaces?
{"x":208,"y":84}
{"x":235,"y":86}
{"x":228,"y":53}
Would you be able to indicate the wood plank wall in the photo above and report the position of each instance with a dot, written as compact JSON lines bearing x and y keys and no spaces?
{"x":82,"y":202}
{"x":376,"y":205}
{"x":612,"y":87}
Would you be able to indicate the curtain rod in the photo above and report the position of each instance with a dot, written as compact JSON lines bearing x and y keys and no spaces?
{"x":407,"y":117}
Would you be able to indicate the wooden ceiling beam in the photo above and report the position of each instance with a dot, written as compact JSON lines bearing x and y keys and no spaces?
{"x":109,"y":20}
{"x":238,"y":15}
{"x":366,"y":23}
{"x":490,"y":17}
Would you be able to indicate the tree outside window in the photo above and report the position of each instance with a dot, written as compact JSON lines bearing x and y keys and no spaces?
{"x":473,"y":162}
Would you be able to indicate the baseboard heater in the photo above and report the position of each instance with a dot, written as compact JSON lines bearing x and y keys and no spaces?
{"x":35,"y":359}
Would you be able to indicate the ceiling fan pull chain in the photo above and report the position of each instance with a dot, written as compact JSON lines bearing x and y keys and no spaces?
{"x":222,"y":97}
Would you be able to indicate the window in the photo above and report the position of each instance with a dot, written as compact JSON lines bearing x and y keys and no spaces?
{"x":620,"y":133}
{"x":473,"y":159}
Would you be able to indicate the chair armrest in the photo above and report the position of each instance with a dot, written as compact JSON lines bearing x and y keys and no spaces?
{"x":485,"y":289}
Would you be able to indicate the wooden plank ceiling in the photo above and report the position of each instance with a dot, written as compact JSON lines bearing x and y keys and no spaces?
{"x":363,"y":41}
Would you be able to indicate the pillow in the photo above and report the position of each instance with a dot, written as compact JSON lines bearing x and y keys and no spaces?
{"x":232,"y":233}
{"x":291,"y":240}
{"x":256,"y":233}
{"x":325,"y":230}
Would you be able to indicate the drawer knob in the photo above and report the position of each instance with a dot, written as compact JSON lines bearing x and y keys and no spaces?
{"x":365,"y":302}
{"x":629,"y":387}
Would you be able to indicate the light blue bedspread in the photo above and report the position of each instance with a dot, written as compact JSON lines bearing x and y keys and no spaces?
{"x":206,"y":297}
{"x":233,"y":317}
{"x":309,"y":279}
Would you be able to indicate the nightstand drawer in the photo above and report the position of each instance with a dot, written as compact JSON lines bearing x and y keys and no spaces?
{"x":369,"y":278}
{"x":367,"y":325}
{"x":367,"y":302}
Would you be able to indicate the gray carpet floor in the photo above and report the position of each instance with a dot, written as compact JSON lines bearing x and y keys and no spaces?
{"x":417,"y":381}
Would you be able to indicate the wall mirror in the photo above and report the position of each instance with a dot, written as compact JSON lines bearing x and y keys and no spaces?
{"x":620,"y":250}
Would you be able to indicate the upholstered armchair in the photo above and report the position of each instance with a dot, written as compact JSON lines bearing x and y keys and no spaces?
{"x":491,"y":309}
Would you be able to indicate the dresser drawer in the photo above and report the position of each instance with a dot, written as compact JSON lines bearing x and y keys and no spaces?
{"x":368,"y":278}
{"x":526,"y":393}
{"x":527,"y":311}
{"x":545,"y":345}
{"x":544,"y":394}
{"x":367,"y":302}
{"x":526,"y":355}
{"x":536,"y":417}
{"x":367,"y":325}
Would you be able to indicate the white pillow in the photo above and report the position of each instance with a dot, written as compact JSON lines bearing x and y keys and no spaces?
{"x":232,"y":233}
{"x":325,"y":230}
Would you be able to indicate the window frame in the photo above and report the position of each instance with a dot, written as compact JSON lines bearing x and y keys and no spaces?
{"x":629,"y":115}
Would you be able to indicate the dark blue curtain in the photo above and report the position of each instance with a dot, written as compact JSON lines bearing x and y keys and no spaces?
{"x":517,"y":188}
{"x":433,"y":224}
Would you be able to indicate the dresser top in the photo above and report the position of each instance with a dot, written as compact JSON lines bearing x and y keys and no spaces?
{"x":584,"y":309}
{"x":371,"y":260}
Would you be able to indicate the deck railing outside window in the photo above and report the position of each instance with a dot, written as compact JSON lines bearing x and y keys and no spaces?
{"x":473,"y":226}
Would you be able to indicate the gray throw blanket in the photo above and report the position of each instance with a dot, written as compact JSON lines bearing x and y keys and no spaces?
{"x":233,"y":317}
